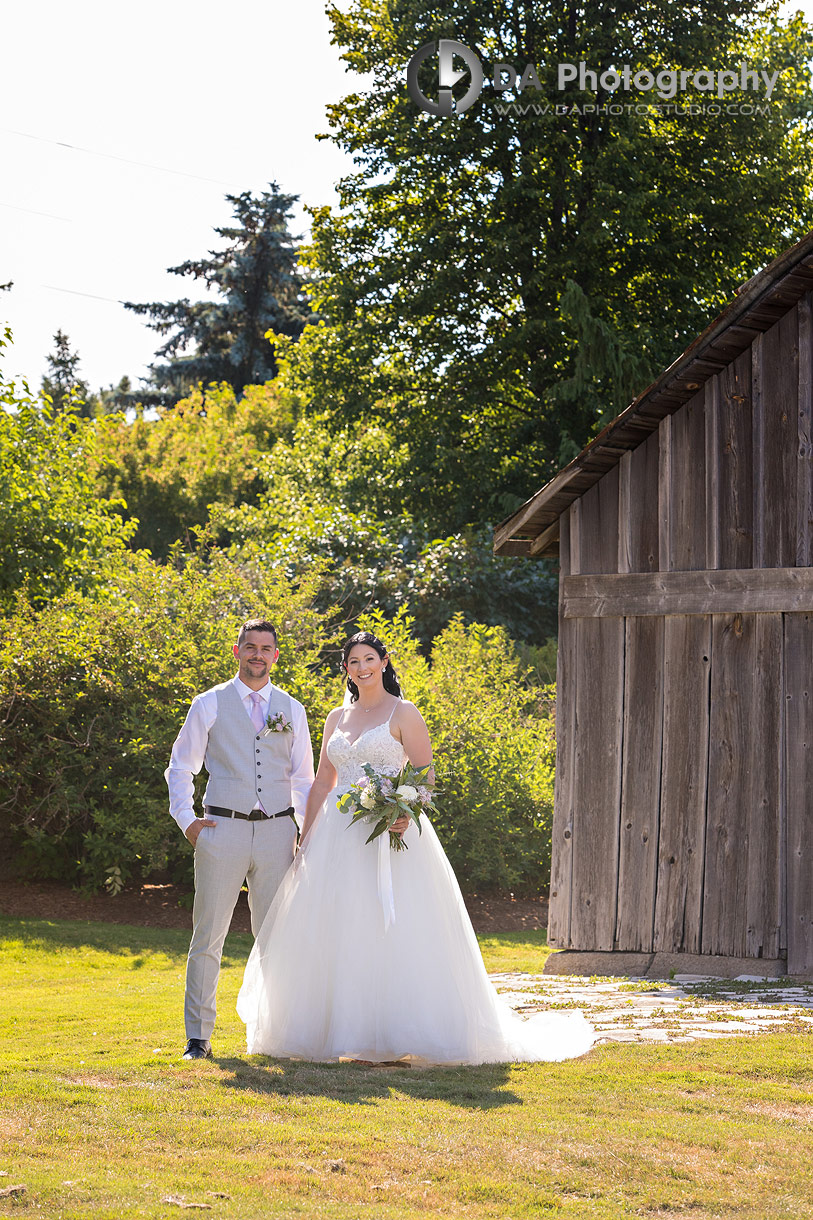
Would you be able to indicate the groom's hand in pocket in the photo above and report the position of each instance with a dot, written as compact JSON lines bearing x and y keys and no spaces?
{"x":194,"y":828}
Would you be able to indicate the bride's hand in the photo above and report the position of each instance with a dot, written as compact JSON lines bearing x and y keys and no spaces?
{"x":398,"y":827}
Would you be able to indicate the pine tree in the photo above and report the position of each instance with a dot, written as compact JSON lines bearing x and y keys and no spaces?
{"x":117,"y":397}
{"x":63,"y":384}
{"x":259,"y":289}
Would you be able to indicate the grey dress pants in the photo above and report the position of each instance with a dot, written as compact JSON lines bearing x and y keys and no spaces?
{"x":226,"y":855}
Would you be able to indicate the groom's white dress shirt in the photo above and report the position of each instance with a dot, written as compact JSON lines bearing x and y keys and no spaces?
{"x":189,"y":751}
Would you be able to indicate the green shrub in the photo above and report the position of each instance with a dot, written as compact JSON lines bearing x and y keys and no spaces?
{"x":94,"y":688}
{"x":93,"y":691}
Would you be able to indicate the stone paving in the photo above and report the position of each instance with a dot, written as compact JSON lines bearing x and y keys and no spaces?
{"x":682,"y":1009}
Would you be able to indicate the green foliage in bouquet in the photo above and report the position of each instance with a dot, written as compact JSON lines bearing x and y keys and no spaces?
{"x":383,"y":799}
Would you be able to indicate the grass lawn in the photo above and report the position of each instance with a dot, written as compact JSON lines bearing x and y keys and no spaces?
{"x":100,"y":1118}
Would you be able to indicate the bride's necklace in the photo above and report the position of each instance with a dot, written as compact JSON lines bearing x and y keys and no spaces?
{"x":373,"y":708}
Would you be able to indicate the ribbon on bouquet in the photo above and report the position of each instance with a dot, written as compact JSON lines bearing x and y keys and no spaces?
{"x":385,"y":894}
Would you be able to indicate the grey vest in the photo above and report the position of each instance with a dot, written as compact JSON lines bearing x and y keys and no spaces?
{"x":246,"y":766}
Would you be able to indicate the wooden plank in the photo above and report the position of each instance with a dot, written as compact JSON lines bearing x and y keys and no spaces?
{"x":721,"y":591}
{"x":642,"y":521}
{"x":731,"y":758}
{"x":641,"y":782}
{"x":597,"y":783}
{"x":712,"y":411}
{"x":599,"y":525}
{"x":625,"y":502}
{"x":798,"y":663}
{"x":561,"y":871}
{"x":543,"y":542}
{"x":678,"y":900}
{"x":735,"y":505}
{"x":779,"y":388}
{"x":804,"y":450}
{"x":758,"y":453}
{"x":687,"y":532}
{"x":764,"y":830}
{"x":665,"y":494}
{"x":574,"y":517}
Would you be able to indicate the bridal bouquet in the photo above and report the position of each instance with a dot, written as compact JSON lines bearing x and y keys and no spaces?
{"x":383,"y":799}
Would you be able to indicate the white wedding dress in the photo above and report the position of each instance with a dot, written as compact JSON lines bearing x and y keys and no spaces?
{"x":369,"y":954}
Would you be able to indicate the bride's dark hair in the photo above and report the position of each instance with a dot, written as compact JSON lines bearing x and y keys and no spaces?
{"x":388,"y":675}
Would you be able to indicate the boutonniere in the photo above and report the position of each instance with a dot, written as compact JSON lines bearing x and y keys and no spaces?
{"x":277,"y":724}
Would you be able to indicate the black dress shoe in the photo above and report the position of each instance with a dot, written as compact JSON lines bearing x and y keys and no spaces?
{"x":198,"y":1048}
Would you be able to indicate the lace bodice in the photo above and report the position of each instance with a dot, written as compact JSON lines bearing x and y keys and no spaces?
{"x":375,"y":746}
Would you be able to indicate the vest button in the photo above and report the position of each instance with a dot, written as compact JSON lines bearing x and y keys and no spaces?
{"x":257,"y":738}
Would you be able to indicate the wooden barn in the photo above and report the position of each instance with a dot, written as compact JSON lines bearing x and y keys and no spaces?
{"x":683,"y":821}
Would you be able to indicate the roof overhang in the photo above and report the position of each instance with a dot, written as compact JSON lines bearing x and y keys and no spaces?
{"x":533,"y":530}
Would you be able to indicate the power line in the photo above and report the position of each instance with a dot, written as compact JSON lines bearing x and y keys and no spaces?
{"x":91,"y":152}
{"x":73,"y":292}
{"x":33,"y":212}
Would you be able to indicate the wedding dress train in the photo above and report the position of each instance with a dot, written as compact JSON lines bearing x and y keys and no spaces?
{"x":370,"y":954}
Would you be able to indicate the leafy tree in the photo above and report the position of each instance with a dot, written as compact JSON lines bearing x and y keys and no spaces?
{"x":258,"y":288}
{"x":496,"y":284}
{"x":55,"y":531}
{"x":334,"y":494}
{"x":62,"y":383}
{"x":204,"y":451}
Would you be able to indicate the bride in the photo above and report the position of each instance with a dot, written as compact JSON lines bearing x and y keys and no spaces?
{"x":369,"y":954}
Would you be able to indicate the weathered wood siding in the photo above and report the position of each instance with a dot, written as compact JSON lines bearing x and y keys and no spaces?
{"x":684,"y":784}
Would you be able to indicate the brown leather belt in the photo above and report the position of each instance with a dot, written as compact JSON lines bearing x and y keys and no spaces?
{"x":256,"y":815}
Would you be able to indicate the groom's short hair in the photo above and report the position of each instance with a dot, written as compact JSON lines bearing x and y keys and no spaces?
{"x":257,"y":624}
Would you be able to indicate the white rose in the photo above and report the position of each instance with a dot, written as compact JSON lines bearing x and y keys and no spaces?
{"x":367,"y":799}
{"x":407,"y":792}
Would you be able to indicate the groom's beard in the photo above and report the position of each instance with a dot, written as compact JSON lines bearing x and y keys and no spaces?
{"x":258,"y":669}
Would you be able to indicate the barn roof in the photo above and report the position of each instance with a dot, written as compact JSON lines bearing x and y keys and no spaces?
{"x":534,"y":528}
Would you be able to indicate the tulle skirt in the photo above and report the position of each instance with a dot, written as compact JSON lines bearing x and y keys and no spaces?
{"x":330,"y":977}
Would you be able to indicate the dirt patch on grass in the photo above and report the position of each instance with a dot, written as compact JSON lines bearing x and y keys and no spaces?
{"x":782,"y":1111}
{"x":166,"y":906}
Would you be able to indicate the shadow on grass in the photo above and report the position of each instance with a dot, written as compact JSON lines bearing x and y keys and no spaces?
{"x":54,"y":937}
{"x":480,"y":1088}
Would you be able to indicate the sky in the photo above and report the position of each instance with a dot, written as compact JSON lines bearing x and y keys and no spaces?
{"x":167,"y":106}
{"x":122,"y":128}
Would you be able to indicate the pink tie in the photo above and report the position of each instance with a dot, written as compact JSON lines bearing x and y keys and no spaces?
{"x":257,"y":718}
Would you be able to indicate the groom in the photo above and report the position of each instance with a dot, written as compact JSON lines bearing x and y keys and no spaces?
{"x":253,"y":739}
